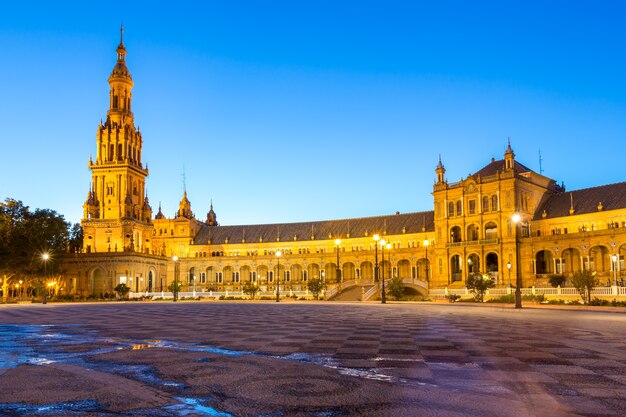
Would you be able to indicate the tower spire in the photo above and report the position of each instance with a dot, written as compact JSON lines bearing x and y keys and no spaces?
{"x":509,"y":157}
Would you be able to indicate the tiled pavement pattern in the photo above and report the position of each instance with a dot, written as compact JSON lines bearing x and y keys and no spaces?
{"x":409,"y":359}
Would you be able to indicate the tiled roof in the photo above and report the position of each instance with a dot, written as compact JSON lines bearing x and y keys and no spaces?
{"x":394,"y":224}
{"x":612,"y":197}
{"x":494,"y":166}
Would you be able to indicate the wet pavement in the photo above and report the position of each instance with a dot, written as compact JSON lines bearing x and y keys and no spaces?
{"x":309,"y":359}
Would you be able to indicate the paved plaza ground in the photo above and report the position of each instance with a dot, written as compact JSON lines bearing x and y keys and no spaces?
{"x":309,"y":359}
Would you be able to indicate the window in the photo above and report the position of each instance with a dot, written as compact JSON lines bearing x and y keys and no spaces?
{"x":485,"y":204}
{"x":236,"y":276}
{"x":560,"y":266}
{"x":252,"y":276}
{"x":494,"y":203}
{"x":270,"y":276}
{"x":450,"y":209}
{"x":459,"y":208}
{"x":358,"y":273}
{"x":287,"y":276}
{"x":472,"y":206}
{"x":413,"y":272}
{"x":305,"y":275}
{"x":202,"y":277}
{"x":219,"y":277}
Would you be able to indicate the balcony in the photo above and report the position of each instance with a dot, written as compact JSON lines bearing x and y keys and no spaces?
{"x":473,"y":243}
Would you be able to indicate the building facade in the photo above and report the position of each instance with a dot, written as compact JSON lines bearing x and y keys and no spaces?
{"x":502,"y":220}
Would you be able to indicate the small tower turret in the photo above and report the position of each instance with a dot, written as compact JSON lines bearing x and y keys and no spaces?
{"x":184,"y":208}
{"x":440,"y":171}
{"x":509,"y":157}
{"x":211,"y":217}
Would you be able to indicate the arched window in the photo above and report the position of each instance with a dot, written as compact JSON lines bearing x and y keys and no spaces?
{"x":494,"y":203}
{"x":451,"y":209}
{"x":491,"y":231}
{"x":456,"y":268}
{"x":459,"y":208}
{"x":485,"y":204}
{"x":455,"y":234}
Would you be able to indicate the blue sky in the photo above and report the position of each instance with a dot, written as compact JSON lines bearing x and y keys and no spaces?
{"x":293,"y":111}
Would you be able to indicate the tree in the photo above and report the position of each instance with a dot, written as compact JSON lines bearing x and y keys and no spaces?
{"x":584,"y":282}
{"x":25,"y":237}
{"x":396,"y":288}
{"x":479,"y":284}
{"x":556,"y":280}
{"x":315,"y":285}
{"x":175,"y":286}
{"x":76,"y":238}
{"x":122,"y":290}
{"x":250,"y":289}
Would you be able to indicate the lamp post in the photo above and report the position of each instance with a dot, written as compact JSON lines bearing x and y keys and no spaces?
{"x":508,"y":266}
{"x":44,"y":257}
{"x":339,"y":276}
{"x":518,"y":278}
{"x":614,"y":258}
{"x":383,"y":298}
{"x":176,"y":271}
{"x":278,"y":254}
{"x":194,"y":286}
{"x":376,"y":239}
{"x":426,"y":244}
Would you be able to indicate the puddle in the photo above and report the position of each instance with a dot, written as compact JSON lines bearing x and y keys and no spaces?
{"x":76,"y":408}
{"x":194,"y":406}
{"x":76,"y":345}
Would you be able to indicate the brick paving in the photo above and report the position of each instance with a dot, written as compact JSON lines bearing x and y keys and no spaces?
{"x":323,"y":359}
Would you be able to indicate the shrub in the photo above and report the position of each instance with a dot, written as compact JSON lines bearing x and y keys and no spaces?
{"x":122,"y":290}
{"x":396,"y":288}
{"x":504,"y":299}
{"x":479,"y":284}
{"x":315,"y":285}
{"x":584,"y":282}
{"x":452,"y":297}
{"x":556,"y":280}
{"x":250,"y":289}
{"x":599,"y":302}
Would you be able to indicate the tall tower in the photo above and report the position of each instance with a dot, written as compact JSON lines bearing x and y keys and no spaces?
{"x":117,"y":214}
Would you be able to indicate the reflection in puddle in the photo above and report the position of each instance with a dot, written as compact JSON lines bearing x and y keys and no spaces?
{"x":193,"y":406}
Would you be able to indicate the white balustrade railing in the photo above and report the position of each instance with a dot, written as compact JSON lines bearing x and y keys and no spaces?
{"x":370,"y":293}
{"x":601,"y":291}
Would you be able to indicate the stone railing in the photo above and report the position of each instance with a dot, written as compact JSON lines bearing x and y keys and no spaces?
{"x":614,"y":291}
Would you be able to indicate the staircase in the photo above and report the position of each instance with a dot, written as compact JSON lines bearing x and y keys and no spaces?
{"x":351,"y":293}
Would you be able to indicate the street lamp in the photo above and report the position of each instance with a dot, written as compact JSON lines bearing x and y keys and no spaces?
{"x":508,"y":266}
{"x":376,"y":239}
{"x":614,"y":258}
{"x":518,"y":278}
{"x":339,"y":276}
{"x":194,"y":286}
{"x":278,"y":253}
{"x":383,"y":298}
{"x":44,"y":257}
{"x":426,"y":244}
{"x":176,"y":272}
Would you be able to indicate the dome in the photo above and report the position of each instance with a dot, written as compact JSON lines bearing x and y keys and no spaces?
{"x":120,"y":70}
